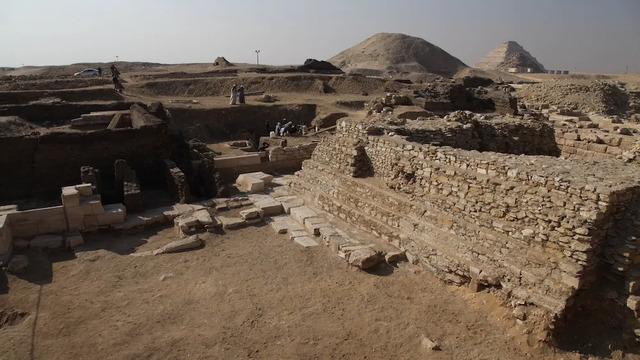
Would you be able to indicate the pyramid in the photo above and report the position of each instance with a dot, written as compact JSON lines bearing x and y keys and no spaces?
{"x":393,"y":54}
{"x":509,"y":55}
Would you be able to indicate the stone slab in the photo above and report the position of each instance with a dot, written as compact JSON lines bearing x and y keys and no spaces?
{"x":314,"y":224}
{"x":250,"y":214}
{"x":230,"y":223}
{"x":300,"y":213}
{"x":305,"y":241}
{"x":46,"y":241}
{"x":285,"y":224}
{"x":289,"y":202}
{"x":234,"y":161}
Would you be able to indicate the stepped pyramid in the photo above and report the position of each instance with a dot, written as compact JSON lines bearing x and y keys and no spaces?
{"x":509,"y":55}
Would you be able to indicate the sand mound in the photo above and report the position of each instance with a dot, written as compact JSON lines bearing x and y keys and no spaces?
{"x":396,"y":55}
{"x":510,"y":55}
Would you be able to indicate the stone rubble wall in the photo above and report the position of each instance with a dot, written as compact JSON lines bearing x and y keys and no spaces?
{"x":531,"y":225}
{"x":5,"y":239}
{"x":298,"y":152}
{"x":587,"y":143}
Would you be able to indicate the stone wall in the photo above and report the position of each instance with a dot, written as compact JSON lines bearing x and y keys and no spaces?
{"x":587,"y":143}
{"x":531,"y":225}
{"x":39,"y":165}
{"x":298,"y":152}
{"x":510,"y":136}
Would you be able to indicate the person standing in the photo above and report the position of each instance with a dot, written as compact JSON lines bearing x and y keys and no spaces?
{"x":278,"y":129}
{"x":234,"y":95}
{"x":99,"y":71}
{"x":241,"y":94}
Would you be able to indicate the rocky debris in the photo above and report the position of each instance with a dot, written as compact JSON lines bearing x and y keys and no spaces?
{"x":520,"y":313}
{"x":379,"y":105}
{"x":364,"y":258}
{"x":267,"y":98}
{"x":474,"y":81}
{"x":395,"y":256}
{"x":12,"y":126}
{"x":587,"y":96}
{"x":327,"y":120}
{"x":18,"y":264}
{"x":251,"y":214}
{"x":429,"y":344}
{"x":320,"y":66}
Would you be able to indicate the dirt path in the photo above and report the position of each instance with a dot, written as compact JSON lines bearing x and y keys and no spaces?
{"x":248,"y":294}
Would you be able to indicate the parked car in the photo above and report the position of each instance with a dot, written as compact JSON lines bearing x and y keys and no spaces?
{"x":87,"y":72}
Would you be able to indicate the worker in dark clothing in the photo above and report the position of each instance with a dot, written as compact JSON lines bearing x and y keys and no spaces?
{"x":241,"y":94}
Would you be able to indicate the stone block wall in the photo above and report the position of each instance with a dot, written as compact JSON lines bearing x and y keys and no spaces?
{"x":587,"y":143}
{"x":298,"y":152}
{"x":532,"y":225}
{"x":176,"y":182}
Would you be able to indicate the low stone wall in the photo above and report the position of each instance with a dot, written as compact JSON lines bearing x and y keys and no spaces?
{"x":298,"y":152}
{"x":532,"y":225}
{"x":587,"y":143}
{"x":40,"y":221}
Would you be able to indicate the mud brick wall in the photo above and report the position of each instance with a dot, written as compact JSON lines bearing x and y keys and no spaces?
{"x":532,"y":225}
{"x":176,"y":182}
{"x":233,"y":123}
{"x":38,"y":166}
{"x":58,"y":113}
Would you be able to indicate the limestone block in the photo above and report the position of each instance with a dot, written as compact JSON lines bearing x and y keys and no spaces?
{"x":91,"y":223}
{"x":74,"y":211}
{"x":130,"y":222}
{"x":114,"y":213}
{"x":251,"y":214}
{"x":364,"y":258}
{"x":234,"y":161}
{"x":46,"y":241}
{"x":251,"y":185}
{"x":185,"y":222}
{"x":335,"y":242}
{"x":268,"y":206}
{"x":152,"y":216}
{"x":314,"y":224}
{"x":284,"y":224}
{"x":305,"y":241}
{"x":203,"y":217}
{"x":295,"y":233}
{"x":73,"y":240}
{"x":633,"y":302}
{"x":85,"y":190}
{"x":230,"y":223}
{"x":300,"y":213}
{"x":70,"y":196}
{"x":289,"y":202}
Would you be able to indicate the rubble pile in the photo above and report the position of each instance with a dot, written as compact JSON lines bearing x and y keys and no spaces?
{"x":599,"y":97}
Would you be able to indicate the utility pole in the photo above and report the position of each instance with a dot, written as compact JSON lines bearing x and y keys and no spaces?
{"x":257,"y":57}
{"x":626,"y":70}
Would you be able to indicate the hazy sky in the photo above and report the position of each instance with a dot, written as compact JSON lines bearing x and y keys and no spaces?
{"x":576,"y":35}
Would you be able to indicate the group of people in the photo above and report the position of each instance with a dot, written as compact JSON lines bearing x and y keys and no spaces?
{"x":237,"y":95}
{"x":289,"y":128}
{"x":115,"y":76}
